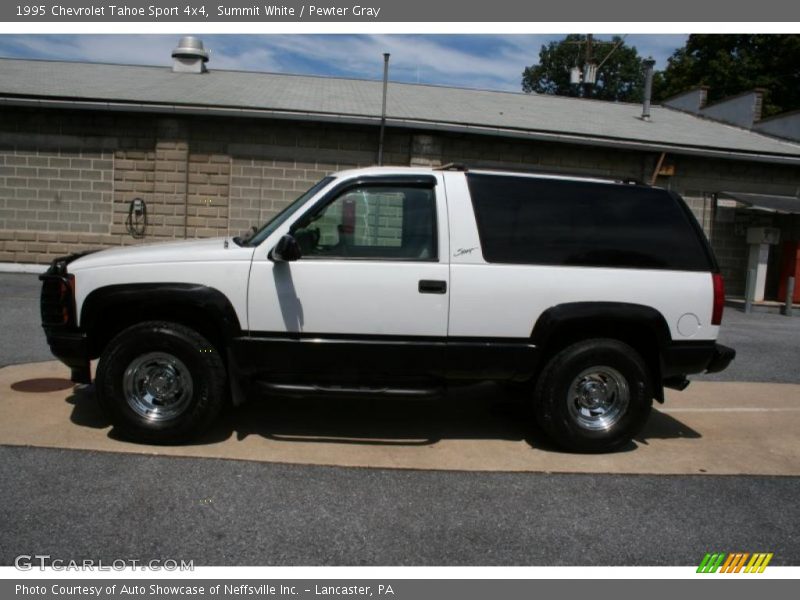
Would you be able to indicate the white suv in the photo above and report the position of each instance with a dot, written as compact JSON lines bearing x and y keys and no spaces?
{"x":395,"y":282}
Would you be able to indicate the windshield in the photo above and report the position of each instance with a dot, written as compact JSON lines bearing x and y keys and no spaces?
{"x":270,"y":226}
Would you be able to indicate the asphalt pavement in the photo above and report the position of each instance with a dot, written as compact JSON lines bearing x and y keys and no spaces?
{"x":767,"y":347}
{"x":74,"y":504}
{"x":23,"y":340}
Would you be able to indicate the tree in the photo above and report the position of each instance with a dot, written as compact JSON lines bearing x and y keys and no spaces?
{"x":619,"y":78}
{"x":732,"y":64}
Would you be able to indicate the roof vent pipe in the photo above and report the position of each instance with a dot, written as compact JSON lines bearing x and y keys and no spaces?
{"x":648,"y":64}
{"x":383,"y":106}
{"x":189,"y":56}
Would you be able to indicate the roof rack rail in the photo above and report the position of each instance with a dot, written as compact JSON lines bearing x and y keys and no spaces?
{"x":534,"y":171}
{"x":452,"y":167}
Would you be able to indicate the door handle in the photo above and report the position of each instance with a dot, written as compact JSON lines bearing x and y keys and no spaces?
{"x":432,"y":286}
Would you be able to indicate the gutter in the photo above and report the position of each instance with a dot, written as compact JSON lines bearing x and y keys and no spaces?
{"x":599,"y":141}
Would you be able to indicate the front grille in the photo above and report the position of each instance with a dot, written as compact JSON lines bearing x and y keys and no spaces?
{"x":56,"y":301}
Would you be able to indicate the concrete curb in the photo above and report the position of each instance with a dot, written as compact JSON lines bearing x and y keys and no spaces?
{"x":767,"y":307}
{"x":22,"y":268}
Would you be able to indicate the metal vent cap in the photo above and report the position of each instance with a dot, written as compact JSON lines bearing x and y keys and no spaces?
{"x":190,"y":47}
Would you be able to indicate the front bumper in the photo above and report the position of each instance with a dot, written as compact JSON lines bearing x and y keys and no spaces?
{"x":72,"y":349}
{"x":59,"y":318}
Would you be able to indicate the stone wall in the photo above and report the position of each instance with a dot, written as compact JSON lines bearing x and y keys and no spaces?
{"x":49,"y":198}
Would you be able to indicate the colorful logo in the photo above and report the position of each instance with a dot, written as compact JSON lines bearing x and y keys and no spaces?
{"x":735,"y":562}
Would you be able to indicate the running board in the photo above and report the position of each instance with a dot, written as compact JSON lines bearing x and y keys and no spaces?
{"x":299,"y":389}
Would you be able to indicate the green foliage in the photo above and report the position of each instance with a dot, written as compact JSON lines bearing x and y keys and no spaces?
{"x":732,"y":64}
{"x":618,"y":79}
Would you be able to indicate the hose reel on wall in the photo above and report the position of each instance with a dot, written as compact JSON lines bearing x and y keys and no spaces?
{"x":136,"y":221}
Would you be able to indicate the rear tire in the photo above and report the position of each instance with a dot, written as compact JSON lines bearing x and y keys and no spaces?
{"x":160,"y":382}
{"x":593,"y":396}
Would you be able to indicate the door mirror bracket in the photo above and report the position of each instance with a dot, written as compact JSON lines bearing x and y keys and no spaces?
{"x":286,"y":250}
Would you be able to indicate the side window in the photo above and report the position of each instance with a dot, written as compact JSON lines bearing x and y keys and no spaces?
{"x":526,"y":220}
{"x":372,"y":222}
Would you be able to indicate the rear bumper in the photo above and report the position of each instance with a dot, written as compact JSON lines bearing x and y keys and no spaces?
{"x":723,"y":355}
{"x":72,"y":349}
{"x":684,"y":358}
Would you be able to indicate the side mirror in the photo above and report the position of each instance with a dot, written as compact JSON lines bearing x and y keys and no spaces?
{"x":286,"y":250}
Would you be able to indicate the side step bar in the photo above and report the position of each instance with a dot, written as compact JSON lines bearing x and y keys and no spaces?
{"x":299,"y":390}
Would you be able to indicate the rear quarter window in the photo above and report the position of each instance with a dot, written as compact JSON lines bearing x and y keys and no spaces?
{"x":525,"y":220}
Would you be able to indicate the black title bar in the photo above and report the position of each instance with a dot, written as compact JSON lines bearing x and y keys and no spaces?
{"x":459,"y":11}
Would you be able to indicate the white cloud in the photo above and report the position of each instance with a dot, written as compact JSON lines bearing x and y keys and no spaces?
{"x":127,"y":49}
{"x":426,"y":59}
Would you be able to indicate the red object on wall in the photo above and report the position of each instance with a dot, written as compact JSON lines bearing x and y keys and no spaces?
{"x":790,"y":267}
{"x":348,"y":217}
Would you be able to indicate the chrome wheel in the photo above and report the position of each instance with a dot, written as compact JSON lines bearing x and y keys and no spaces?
{"x":598,"y":398}
{"x":157,"y":386}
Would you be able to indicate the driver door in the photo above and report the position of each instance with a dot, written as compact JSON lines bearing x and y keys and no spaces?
{"x":369,"y":297}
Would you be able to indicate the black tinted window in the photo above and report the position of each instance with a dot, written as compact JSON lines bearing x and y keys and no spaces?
{"x":557,"y":222}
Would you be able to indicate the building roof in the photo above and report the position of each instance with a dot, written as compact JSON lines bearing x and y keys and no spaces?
{"x":769,"y":202}
{"x":553,"y":118}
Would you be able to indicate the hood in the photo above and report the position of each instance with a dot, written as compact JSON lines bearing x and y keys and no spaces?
{"x":206,"y":250}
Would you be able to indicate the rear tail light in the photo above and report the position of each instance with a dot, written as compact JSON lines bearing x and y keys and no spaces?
{"x":719,"y":299}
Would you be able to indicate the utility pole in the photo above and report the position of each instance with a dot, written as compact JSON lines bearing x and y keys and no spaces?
{"x":588,"y":58}
{"x":588,"y":80}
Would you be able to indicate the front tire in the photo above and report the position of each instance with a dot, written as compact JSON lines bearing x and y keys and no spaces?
{"x":594,"y":396}
{"x":160,"y":382}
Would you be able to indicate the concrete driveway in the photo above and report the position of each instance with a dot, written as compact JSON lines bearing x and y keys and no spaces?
{"x":712,"y":427}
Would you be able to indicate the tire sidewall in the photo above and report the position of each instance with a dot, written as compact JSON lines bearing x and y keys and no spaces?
{"x":567,"y":366}
{"x":143,"y":339}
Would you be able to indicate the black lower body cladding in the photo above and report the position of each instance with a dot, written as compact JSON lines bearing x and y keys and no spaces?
{"x":72,"y":349}
{"x":685,"y":358}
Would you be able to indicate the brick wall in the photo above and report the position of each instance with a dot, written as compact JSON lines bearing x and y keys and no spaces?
{"x":209,"y":193}
{"x":698,"y":176}
{"x":273,"y":163}
{"x":260,"y":187}
{"x":67,"y":177}
{"x":50,"y":199}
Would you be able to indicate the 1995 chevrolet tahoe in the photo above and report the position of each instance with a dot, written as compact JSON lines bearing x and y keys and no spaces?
{"x":396,"y":282}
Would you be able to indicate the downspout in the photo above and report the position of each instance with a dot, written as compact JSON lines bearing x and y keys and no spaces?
{"x":186,"y":191}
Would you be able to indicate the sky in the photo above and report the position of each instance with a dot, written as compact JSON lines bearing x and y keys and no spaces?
{"x":492,"y":62}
